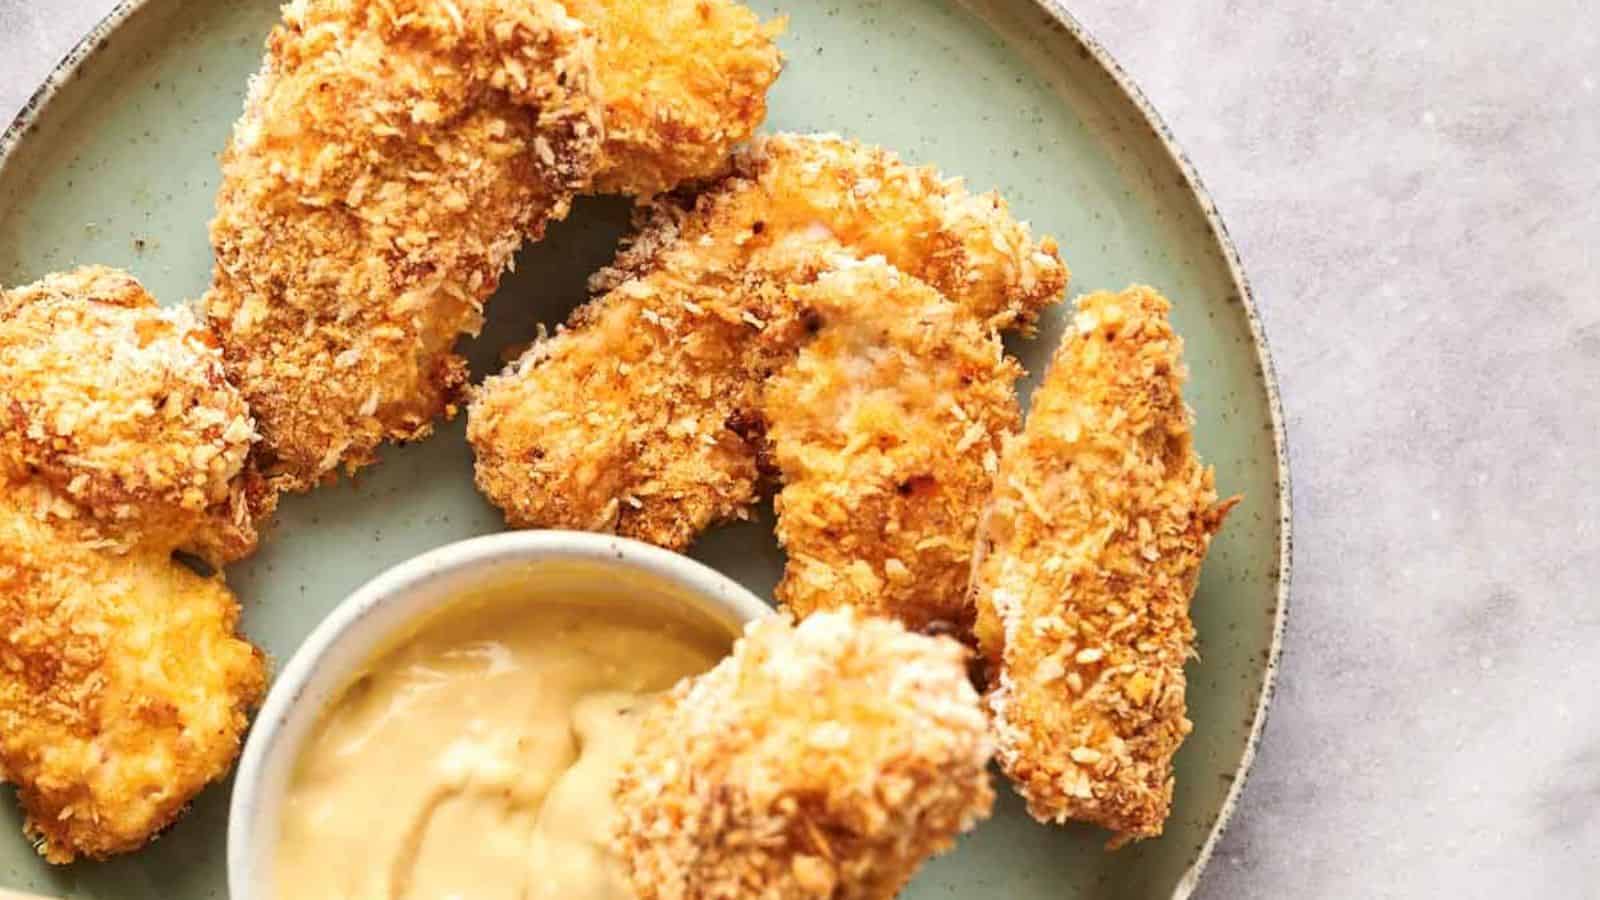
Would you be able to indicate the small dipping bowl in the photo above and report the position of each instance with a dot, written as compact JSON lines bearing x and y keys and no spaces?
{"x":385,"y":610}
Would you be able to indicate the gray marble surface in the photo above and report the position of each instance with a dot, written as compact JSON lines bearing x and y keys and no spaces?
{"x":1415,"y":190}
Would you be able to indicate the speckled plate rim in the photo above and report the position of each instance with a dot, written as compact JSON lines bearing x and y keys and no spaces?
{"x":1280,"y":435}
{"x":1064,"y":21}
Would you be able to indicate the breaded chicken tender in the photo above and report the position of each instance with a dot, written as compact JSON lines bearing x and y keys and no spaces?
{"x":886,"y":429}
{"x":392,"y":156}
{"x":824,"y":760}
{"x":1092,"y":546}
{"x":682,"y":82}
{"x":123,"y":411}
{"x":641,"y":419}
{"x":124,"y":688}
{"x":801,"y":194}
{"x":643,"y":415}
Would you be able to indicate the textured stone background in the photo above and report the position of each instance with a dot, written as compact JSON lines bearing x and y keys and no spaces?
{"x":1415,"y":189}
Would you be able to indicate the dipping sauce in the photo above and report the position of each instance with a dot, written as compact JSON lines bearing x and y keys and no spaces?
{"x":476,"y":759}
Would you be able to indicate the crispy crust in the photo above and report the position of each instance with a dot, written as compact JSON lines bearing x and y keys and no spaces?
{"x":642,"y":416}
{"x":391,"y":158}
{"x":123,"y":411}
{"x":124,"y":689}
{"x":635,"y":419}
{"x":682,"y":82}
{"x":1101,"y":518}
{"x":805,"y":194}
{"x":825,"y":760}
{"x":886,"y":430}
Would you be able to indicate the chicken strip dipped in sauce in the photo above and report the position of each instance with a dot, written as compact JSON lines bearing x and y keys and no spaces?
{"x":825,"y":760}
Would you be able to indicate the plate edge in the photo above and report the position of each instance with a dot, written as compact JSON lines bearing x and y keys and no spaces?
{"x":62,"y":72}
{"x":68,"y":65}
{"x":1280,"y":436}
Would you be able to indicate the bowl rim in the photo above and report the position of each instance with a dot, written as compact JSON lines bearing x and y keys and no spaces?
{"x":345,"y":625}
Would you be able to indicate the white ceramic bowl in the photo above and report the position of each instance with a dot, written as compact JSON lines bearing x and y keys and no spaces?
{"x":381,"y":611}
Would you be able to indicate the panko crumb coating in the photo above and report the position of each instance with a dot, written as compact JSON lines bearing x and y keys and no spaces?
{"x":124,"y":688}
{"x":886,"y":430}
{"x":682,"y":82}
{"x":816,"y":192}
{"x":392,"y":156}
{"x":123,"y":411}
{"x":824,"y":760}
{"x":643,"y":417}
{"x":1100,"y":521}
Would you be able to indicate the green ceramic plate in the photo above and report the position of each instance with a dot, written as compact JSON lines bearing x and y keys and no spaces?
{"x":114,"y":162}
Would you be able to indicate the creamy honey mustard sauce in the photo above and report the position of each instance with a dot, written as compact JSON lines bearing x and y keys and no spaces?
{"x":477,"y":759}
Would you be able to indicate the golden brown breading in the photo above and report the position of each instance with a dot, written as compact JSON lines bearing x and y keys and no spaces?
{"x":682,"y":82}
{"x":392,"y":156}
{"x":629,"y":420}
{"x":643,"y":415}
{"x":1090,"y":551}
{"x":886,"y":430}
{"x":124,"y":691}
{"x":824,"y":760}
{"x":801,"y":194}
{"x":123,"y":410}
{"x":123,"y":686}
